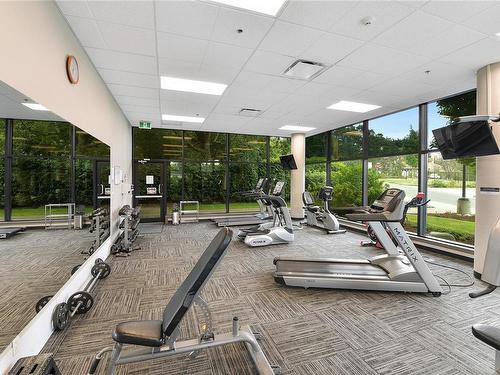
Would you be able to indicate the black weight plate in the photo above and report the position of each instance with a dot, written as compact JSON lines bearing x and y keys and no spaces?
{"x":75,"y":268}
{"x":76,"y":298}
{"x":101,"y":270}
{"x":42,"y":302}
{"x":60,"y":316}
{"x":98,"y":260}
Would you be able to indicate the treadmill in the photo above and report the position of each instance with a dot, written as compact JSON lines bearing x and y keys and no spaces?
{"x":392,"y":272}
{"x":254,"y":220}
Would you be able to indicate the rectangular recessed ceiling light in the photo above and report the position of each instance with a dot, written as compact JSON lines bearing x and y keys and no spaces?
{"x":296,"y":128}
{"x":175,"y":118}
{"x":497,"y":34}
{"x":270,"y":7}
{"x":188,"y":85}
{"x":35,"y":106}
{"x":345,"y":105}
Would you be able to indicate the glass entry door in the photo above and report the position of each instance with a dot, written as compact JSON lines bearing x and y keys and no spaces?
{"x":149,"y":192}
{"x":103,"y":184}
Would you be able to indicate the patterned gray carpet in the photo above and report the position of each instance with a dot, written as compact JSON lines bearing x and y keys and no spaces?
{"x":34,"y":264}
{"x":305,"y":331}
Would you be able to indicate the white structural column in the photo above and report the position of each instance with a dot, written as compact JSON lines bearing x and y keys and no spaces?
{"x":298,"y":176}
{"x":488,"y":167}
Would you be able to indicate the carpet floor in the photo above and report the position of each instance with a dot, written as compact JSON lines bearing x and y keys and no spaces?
{"x":304,"y":331}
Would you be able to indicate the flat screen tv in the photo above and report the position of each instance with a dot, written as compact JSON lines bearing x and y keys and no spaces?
{"x":288,"y":162}
{"x":466,"y":137}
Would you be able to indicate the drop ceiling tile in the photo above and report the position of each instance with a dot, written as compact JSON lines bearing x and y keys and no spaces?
{"x":476,"y":55}
{"x":330,"y":48}
{"x":381,"y":98}
{"x":181,"y":48}
{"x":244,"y":98}
{"x":456,"y":11}
{"x":272,"y":114}
{"x":268,"y":63}
{"x":486,"y":21}
{"x":226,"y":55}
{"x":265,"y":82}
{"x":382,"y":60}
{"x":450,"y":40}
{"x":139,"y":92}
{"x":132,"y":13}
{"x":128,"y":39}
{"x":352,"y":78}
{"x":132,"y":79}
{"x":289,"y":39}
{"x":229,"y":21}
{"x":317,"y":14}
{"x":130,"y":100}
{"x":140,"y":108}
{"x":217,"y":122}
{"x":122,"y":61}
{"x":211,"y":73}
{"x":190,"y":18}
{"x":400,"y":87}
{"x":87,"y":31}
{"x":440,"y":74}
{"x":386,"y":13}
{"x":74,"y":8}
{"x":417,"y":28}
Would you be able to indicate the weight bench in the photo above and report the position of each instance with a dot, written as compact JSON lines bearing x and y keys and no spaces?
{"x":157,"y":338}
{"x":491,"y":336}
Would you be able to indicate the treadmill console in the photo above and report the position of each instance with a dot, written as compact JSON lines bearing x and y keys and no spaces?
{"x":383,"y":202}
{"x":278,"y":188}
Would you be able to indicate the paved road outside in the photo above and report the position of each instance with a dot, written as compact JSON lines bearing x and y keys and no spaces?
{"x":442,"y":199}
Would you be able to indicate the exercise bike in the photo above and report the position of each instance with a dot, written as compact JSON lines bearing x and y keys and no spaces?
{"x":416,"y":201}
{"x":321,"y":217}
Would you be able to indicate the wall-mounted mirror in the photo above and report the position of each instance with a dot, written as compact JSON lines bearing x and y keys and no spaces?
{"x":52,"y":177}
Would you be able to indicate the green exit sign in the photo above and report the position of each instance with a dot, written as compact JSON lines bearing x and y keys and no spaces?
{"x":144,"y":124}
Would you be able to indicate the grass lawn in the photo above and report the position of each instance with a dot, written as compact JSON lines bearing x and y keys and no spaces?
{"x":431,"y":182}
{"x":462,"y":230}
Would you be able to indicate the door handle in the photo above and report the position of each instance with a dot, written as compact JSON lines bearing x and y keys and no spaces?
{"x":159,"y":189}
{"x":102,"y":189}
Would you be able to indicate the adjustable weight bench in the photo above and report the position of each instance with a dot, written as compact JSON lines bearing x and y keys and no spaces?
{"x":158,"y":338}
{"x":491,"y":336}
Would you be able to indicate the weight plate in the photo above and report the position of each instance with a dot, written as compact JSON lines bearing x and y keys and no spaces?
{"x":101,"y":270}
{"x":75,"y":268}
{"x":86,"y":302}
{"x":60,"y":316}
{"x":98,"y":260}
{"x":42,"y":302}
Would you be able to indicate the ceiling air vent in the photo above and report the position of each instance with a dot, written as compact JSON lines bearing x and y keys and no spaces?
{"x":249,"y":112}
{"x":303,"y":69}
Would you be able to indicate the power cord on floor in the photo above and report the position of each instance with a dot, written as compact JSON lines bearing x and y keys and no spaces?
{"x":471,"y":279}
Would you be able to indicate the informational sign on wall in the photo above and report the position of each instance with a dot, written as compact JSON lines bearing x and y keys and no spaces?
{"x":150,"y":180}
{"x":488,"y":190}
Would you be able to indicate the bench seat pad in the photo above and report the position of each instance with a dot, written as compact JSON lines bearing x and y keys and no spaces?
{"x":139,"y":332}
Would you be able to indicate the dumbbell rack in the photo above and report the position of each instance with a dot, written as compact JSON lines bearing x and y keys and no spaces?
{"x":99,"y":226}
{"x":130,"y":219}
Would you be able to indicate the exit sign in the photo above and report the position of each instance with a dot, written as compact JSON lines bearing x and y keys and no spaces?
{"x":144,"y":124}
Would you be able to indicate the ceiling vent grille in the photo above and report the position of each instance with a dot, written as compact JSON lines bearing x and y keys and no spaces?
{"x":305,"y":70}
{"x":249,"y":112}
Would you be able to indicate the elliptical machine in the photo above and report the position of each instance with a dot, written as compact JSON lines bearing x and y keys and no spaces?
{"x":321,"y":217}
{"x":281,"y":233}
{"x":278,"y":189}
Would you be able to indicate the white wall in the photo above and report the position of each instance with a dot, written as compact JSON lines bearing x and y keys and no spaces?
{"x":35,"y":41}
